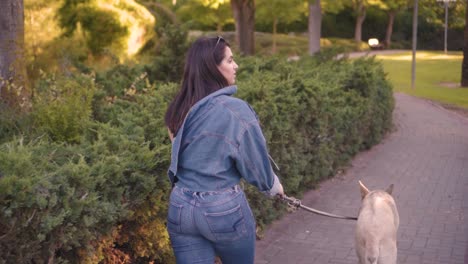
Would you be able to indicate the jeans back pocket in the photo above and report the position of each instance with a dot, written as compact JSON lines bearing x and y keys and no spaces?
{"x":227,"y":225}
{"x":174,"y":217}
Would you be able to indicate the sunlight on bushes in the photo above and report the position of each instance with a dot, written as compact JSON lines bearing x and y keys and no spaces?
{"x":136,"y":18}
{"x":45,"y":43}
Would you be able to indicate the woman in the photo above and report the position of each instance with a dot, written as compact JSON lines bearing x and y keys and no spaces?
{"x":216,"y":141}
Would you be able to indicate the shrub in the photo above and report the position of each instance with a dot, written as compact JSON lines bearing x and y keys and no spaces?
{"x":168,"y":65}
{"x":13,"y":123}
{"x":316,"y":114}
{"x":95,"y":191}
{"x":62,"y":107}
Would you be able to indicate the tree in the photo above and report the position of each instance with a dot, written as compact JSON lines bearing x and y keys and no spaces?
{"x":464,"y":78}
{"x":160,"y":11}
{"x":314,"y":26}
{"x":221,"y":14}
{"x":333,"y":6}
{"x":274,"y":11}
{"x":244,"y":15}
{"x":360,"y":9}
{"x":434,"y":11}
{"x":392,"y":7}
{"x":102,"y":27}
{"x":316,"y":8}
{"x":13,"y":82}
{"x":207,"y":12}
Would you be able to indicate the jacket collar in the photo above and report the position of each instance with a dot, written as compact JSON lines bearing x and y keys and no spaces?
{"x":228,"y":90}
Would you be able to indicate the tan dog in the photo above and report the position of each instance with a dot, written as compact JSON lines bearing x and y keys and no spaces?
{"x":377,"y":226}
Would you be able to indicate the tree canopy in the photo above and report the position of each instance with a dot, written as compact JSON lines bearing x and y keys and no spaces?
{"x":106,"y":24}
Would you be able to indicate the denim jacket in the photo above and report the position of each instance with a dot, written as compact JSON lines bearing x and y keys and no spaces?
{"x":219,"y":143}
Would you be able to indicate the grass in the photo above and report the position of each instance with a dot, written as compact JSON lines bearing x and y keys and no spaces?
{"x":286,"y":44}
{"x":297,"y":44}
{"x":437,"y":76}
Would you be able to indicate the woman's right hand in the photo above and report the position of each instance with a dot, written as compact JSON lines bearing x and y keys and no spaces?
{"x":280,"y":191}
{"x":277,"y":188}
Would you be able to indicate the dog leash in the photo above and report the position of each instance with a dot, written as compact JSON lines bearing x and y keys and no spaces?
{"x":296,"y":203}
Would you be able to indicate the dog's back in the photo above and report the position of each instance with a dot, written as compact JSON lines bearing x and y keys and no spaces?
{"x":377,"y":225}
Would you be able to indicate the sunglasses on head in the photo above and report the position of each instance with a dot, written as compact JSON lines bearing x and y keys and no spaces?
{"x":218,"y":39}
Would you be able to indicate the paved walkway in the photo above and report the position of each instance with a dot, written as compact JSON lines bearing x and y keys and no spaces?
{"x":426,"y":157}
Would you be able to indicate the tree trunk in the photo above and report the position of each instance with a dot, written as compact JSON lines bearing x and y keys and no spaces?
{"x":244,"y":14}
{"x":13,"y":84}
{"x":314,"y":27}
{"x":275,"y":25}
{"x":361,"y":15}
{"x":388,"y":34}
{"x":464,"y":77}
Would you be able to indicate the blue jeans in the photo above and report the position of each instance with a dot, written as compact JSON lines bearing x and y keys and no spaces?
{"x":203,"y":225}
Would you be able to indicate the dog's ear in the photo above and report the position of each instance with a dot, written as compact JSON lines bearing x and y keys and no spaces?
{"x":390,"y":189}
{"x":364,"y":190}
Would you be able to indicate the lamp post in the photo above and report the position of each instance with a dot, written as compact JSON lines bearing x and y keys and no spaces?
{"x":415,"y":38}
{"x":446,"y":4}
{"x":445,"y":26}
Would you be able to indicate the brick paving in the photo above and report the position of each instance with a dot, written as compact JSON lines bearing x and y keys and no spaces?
{"x":426,"y":157}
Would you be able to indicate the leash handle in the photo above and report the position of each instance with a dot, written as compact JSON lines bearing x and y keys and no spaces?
{"x":291,"y":201}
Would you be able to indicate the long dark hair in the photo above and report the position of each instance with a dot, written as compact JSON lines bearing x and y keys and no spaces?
{"x":201,"y":78}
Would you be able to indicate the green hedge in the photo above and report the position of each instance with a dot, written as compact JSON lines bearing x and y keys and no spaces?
{"x":100,"y":193}
{"x":316,"y":114}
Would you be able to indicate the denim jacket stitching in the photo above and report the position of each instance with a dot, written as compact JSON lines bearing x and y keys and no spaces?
{"x":242,"y":121}
{"x":248,"y":163}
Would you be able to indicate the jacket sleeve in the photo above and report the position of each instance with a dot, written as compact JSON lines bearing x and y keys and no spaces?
{"x":253,"y":162}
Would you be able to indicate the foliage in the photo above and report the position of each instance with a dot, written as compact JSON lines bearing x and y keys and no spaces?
{"x":121,"y":26}
{"x":433,"y":12}
{"x":13,"y":123}
{"x":394,"y":5}
{"x":316,"y":114}
{"x":278,"y":10}
{"x":63,"y":107}
{"x":38,"y":13}
{"x":333,"y":6}
{"x":207,"y":13}
{"x":99,"y":195}
{"x":292,"y":44}
{"x":168,"y":65}
{"x":272,"y":12}
{"x":121,"y":80}
{"x":102,"y":27}
{"x":75,"y":197}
